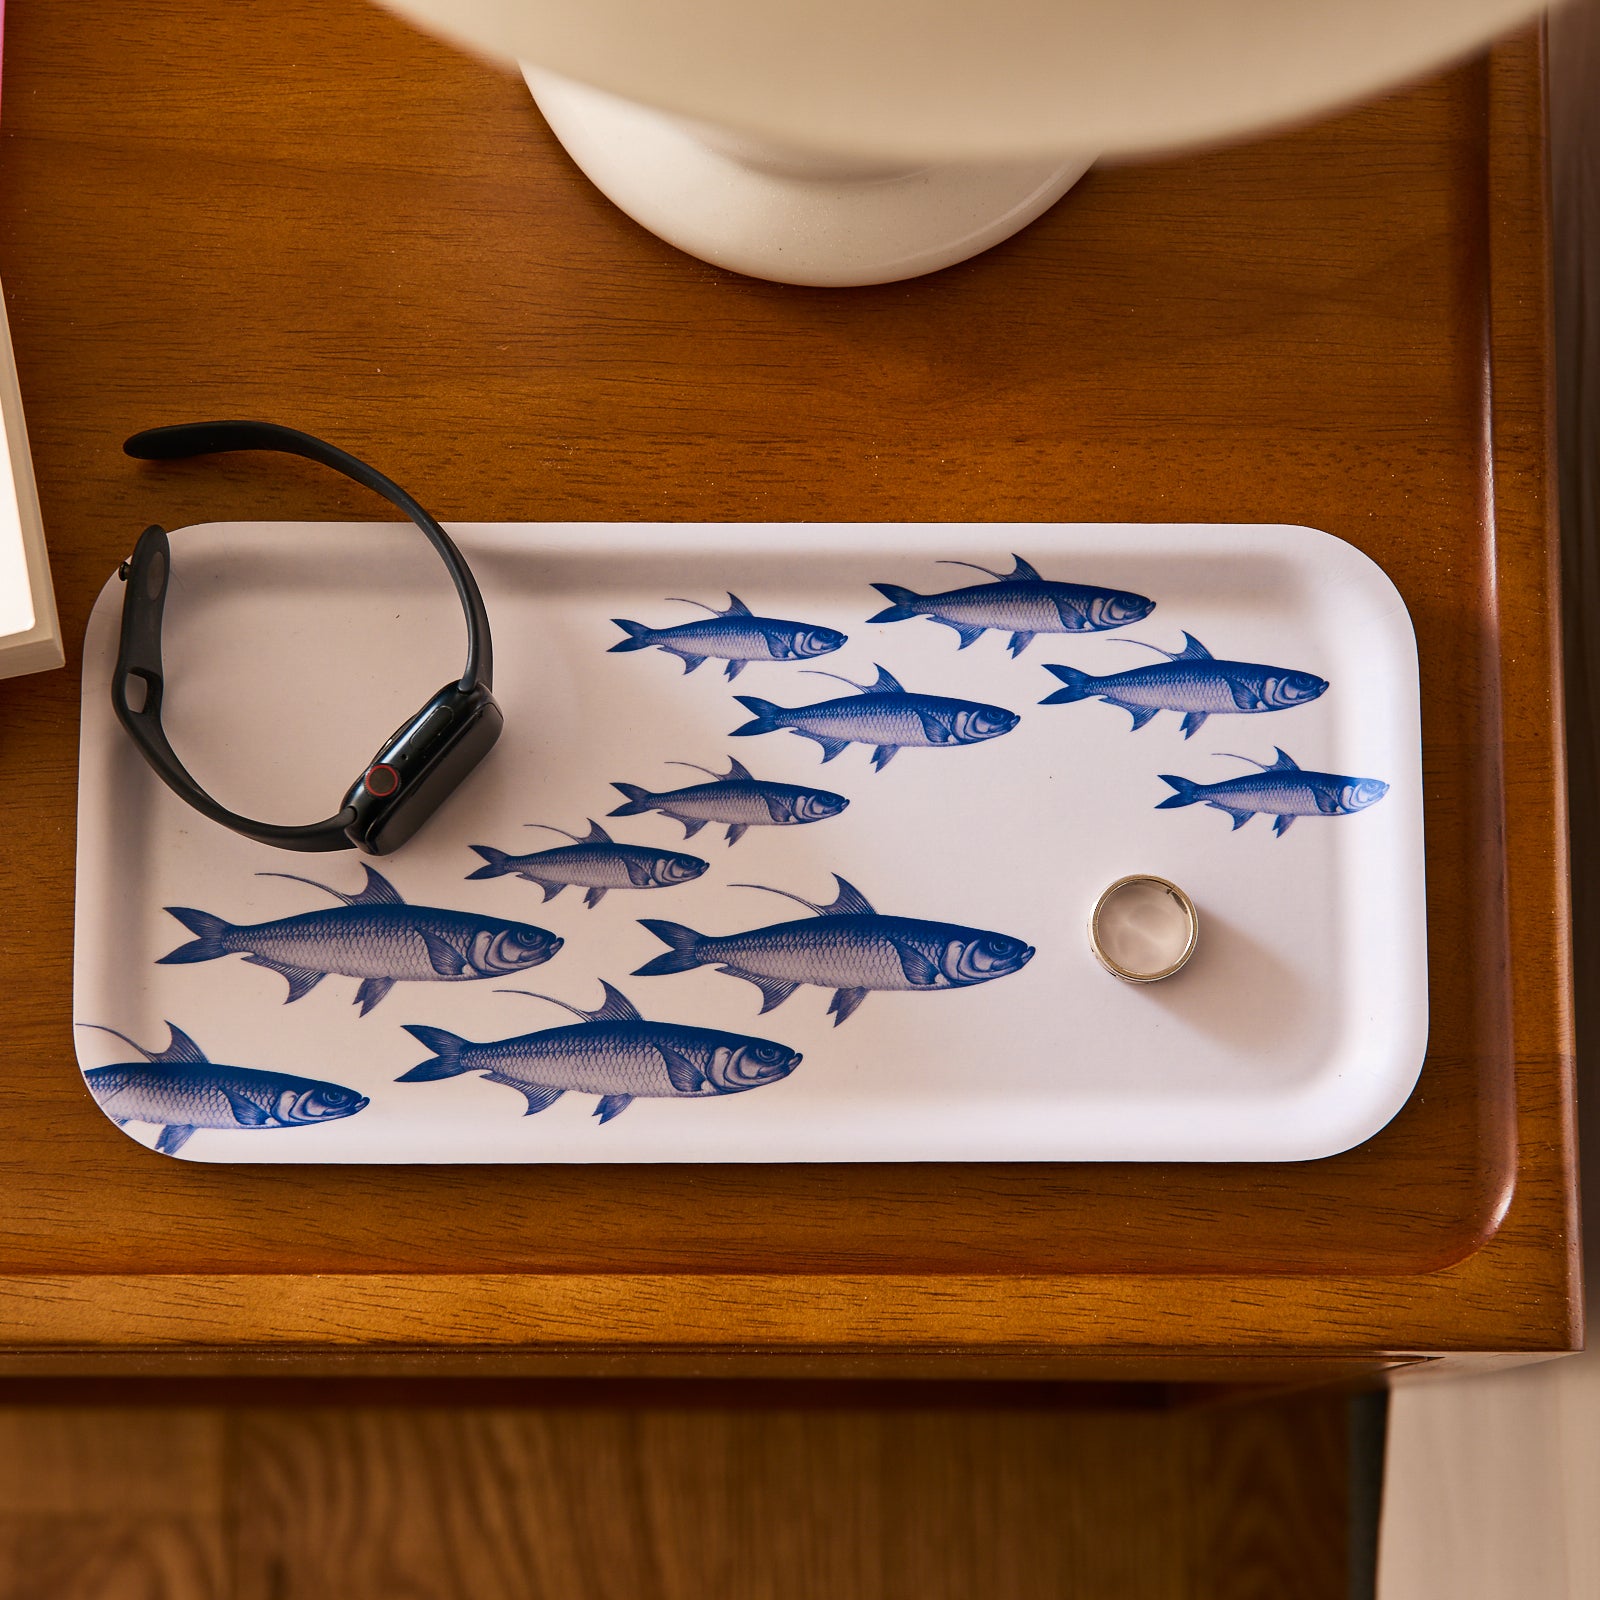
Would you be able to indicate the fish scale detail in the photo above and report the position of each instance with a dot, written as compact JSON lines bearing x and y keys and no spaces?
{"x":845,"y":946}
{"x":374,"y":936}
{"x":613,"y":1053}
{"x":1190,"y":681}
{"x":1019,"y":602}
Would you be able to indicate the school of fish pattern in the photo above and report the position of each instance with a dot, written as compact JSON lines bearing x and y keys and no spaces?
{"x":594,"y":861}
{"x":1191,"y":681}
{"x":1281,"y":789}
{"x":735,"y":799}
{"x":613,"y":1053}
{"x":735,"y":636}
{"x":178,"y":1090}
{"x":881,"y":714}
{"x":845,"y":946}
{"x":1018,"y":602}
{"x":374,"y":936}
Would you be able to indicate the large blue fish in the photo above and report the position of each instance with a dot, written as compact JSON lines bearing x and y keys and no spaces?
{"x":374,"y":936}
{"x":1281,"y":790}
{"x":1193,"y":681}
{"x":595,"y":862}
{"x":736,"y":636}
{"x":179,"y":1090}
{"x":846,"y":947}
{"x":1019,"y":602}
{"x":613,"y":1053}
{"x":735,"y":799}
{"x":880,"y":714}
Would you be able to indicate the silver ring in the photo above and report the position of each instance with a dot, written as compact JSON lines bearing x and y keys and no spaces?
{"x":1126,"y":969}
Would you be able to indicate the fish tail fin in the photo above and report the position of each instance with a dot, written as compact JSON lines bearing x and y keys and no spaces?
{"x":1078,"y":686}
{"x":495,"y":862}
{"x":902,"y":603}
{"x":683,"y":954}
{"x":638,"y":800}
{"x":208,"y":930}
{"x":446,"y":1060}
{"x":764,"y":713}
{"x":1188,"y":792}
{"x":639,"y":636}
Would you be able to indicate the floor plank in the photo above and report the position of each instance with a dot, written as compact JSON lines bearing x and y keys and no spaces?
{"x":110,"y":1555}
{"x":776,"y":1504}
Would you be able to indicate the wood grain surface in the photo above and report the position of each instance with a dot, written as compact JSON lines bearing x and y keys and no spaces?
{"x":855,"y":1496}
{"x":308,"y":213}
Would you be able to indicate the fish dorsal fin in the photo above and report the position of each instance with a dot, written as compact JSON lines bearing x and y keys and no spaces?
{"x":180,"y":1047}
{"x":737,"y":769}
{"x":1284,"y":762}
{"x":596,"y":834}
{"x":849,"y":902}
{"x":377,"y":891}
{"x":1192,"y":650}
{"x":1022,"y":569}
{"x":886,"y":681}
{"x":736,"y":608}
{"x":617,"y":1008}
{"x":550,"y":827}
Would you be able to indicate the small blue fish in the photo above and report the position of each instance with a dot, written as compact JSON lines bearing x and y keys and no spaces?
{"x":1281,"y":790}
{"x":374,"y":936}
{"x":1019,"y":602}
{"x":179,"y":1090}
{"x":880,"y":714}
{"x":613,"y":1053}
{"x":1192,"y":681}
{"x":594,"y":862}
{"x":736,"y":636}
{"x":735,"y":799}
{"x":846,"y":947}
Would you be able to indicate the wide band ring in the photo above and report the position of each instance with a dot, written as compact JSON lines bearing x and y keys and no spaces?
{"x":1143,"y":943}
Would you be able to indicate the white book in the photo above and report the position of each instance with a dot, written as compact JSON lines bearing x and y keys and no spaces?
{"x":30,"y":636}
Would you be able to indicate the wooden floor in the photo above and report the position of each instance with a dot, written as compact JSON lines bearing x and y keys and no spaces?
{"x":691,"y":1494}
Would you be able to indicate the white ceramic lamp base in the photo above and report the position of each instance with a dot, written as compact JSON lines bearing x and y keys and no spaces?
{"x":772,"y":212}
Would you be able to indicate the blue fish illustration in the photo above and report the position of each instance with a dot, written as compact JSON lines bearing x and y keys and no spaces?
{"x":846,"y":947}
{"x":736,"y":636}
{"x":880,"y":714}
{"x":1019,"y":602}
{"x":179,"y":1090}
{"x":374,"y":936}
{"x":735,"y":799}
{"x":594,"y":862}
{"x":613,"y":1053}
{"x":1281,"y":790}
{"x":1192,"y":681}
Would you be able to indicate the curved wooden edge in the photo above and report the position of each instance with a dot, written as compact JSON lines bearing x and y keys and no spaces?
{"x":1463,"y":1309}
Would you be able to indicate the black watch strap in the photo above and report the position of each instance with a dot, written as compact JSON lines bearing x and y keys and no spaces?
{"x":138,"y":683}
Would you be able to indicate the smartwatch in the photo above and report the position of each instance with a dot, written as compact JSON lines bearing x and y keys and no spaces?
{"x":415,"y":768}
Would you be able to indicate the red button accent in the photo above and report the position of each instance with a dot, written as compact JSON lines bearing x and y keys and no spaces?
{"x":382,"y":780}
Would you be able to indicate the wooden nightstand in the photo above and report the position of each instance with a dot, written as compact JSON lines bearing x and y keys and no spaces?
{"x":307,"y":213}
